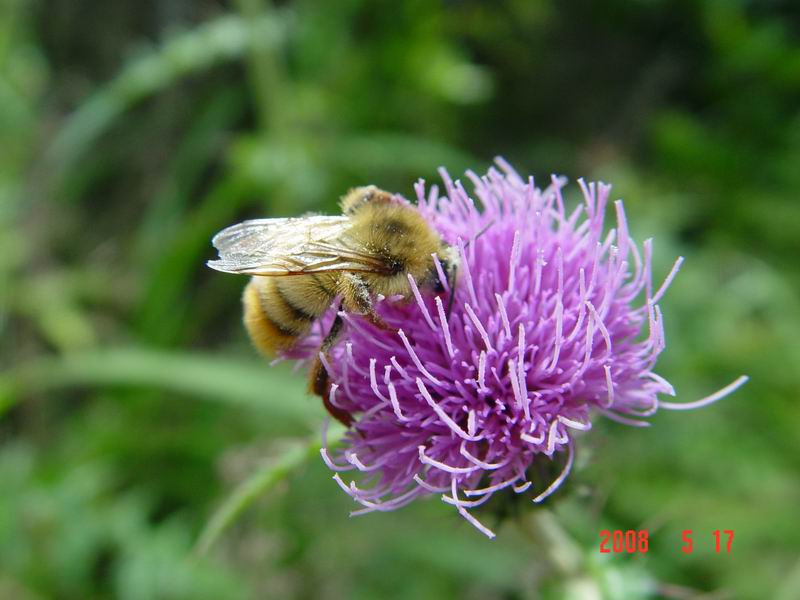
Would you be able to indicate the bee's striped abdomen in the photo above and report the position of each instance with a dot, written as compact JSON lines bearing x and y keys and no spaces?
{"x":272,"y":319}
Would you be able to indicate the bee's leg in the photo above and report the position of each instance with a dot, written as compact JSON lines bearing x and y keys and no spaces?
{"x":320,"y":378}
{"x":333,"y":333}
{"x":356,"y":298}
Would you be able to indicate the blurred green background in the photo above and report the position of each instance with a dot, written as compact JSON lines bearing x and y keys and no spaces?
{"x":132,"y":404}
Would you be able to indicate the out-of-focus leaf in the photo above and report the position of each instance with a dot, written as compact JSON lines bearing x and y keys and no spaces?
{"x":167,"y":208}
{"x":265,"y":68}
{"x":152,"y":571}
{"x":164,"y":301}
{"x":385,"y":151}
{"x":223,"y":39}
{"x":254,"y":385}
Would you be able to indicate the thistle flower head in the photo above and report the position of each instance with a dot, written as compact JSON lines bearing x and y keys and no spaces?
{"x":553,"y":319}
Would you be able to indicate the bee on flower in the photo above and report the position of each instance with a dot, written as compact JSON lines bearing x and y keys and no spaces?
{"x":540,"y":319}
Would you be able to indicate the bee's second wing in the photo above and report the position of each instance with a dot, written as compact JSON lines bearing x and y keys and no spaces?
{"x":274,"y":247}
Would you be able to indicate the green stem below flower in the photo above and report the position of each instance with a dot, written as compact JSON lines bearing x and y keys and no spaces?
{"x":562,"y":554}
{"x":258,"y":484}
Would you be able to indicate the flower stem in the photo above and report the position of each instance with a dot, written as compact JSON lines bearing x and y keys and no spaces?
{"x":258,"y":484}
{"x":562,"y":554}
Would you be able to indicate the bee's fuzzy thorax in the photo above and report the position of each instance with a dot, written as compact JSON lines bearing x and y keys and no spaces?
{"x":401,"y":235}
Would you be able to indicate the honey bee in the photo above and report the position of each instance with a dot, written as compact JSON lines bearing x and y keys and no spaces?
{"x":299,"y":266}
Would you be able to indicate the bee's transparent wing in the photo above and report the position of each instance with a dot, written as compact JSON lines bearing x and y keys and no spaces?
{"x":297,"y":246}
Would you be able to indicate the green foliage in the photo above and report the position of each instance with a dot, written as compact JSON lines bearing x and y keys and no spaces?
{"x":135,"y":419}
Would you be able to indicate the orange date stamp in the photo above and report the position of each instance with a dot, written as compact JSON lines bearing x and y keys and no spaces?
{"x":637,"y":541}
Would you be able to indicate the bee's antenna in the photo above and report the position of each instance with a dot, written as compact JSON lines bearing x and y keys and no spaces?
{"x":479,"y":234}
{"x":455,"y":279}
{"x":452,"y":296}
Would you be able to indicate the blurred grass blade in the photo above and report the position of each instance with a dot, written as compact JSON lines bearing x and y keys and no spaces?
{"x":204,"y":141}
{"x":266,"y":70}
{"x":223,"y":39}
{"x":255,"y":486}
{"x":160,"y":311}
{"x":256,"y":385}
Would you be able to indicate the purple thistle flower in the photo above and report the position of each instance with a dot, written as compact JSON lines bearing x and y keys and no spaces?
{"x":553,"y":319}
